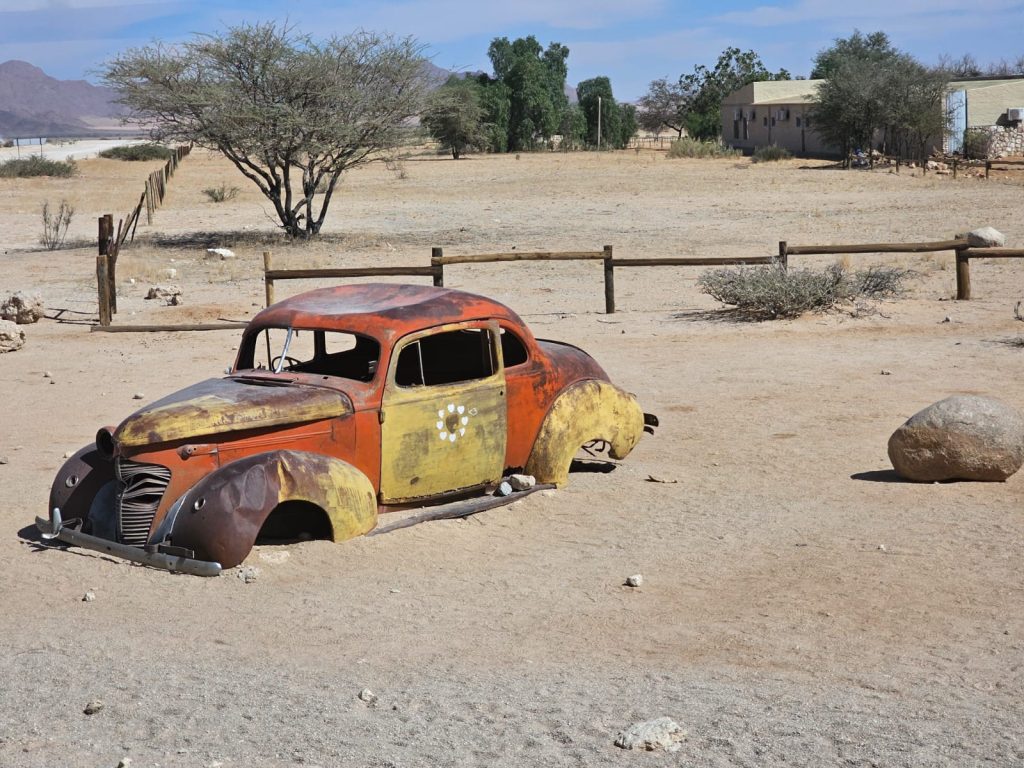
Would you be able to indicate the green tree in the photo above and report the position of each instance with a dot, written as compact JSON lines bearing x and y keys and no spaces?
{"x":733,"y":70}
{"x":534,"y":81}
{"x":454,"y":116}
{"x":596,"y":94}
{"x":627,"y":125}
{"x":573,"y":128}
{"x":873,"y":48}
{"x":665,"y":105}
{"x":291,"y":113}
{"x":873,"y":92}
{"x":496,"y":106}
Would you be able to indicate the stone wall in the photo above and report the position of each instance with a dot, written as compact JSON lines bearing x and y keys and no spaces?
{"x":1003,"y":141}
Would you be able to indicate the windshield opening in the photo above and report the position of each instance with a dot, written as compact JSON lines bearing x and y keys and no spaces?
{"x":301,"y":350}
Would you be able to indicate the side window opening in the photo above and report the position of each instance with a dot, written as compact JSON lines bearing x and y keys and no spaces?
{"x":513,"y":351}
{"x":446,"y":358}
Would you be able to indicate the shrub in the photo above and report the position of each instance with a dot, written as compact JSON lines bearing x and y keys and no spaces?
{"x":221,"y":194}
{"x":137,"y":152}
{"x":37,"y":166}
{"x":977,"y":144}
{"x":687,"y":147}
{"x":770,"y":292}
{"x":7,"y":144}
{"x":55,"y":224}
{"x":770,"y":154}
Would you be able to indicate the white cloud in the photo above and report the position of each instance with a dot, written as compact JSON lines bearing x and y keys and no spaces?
{"x":28,"y":6}
{"x":868,"y":14}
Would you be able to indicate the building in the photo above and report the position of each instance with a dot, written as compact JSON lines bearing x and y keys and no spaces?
{"x":779,"y":112}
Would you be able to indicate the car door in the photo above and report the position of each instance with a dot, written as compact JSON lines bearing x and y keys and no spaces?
{"x":444,"y":413}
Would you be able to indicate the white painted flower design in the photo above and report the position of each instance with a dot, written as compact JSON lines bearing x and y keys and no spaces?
{"x":452,"y":421}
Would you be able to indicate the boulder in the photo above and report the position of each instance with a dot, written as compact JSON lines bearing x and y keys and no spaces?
{"x":22,"y":308}
{"x":984,"y":237}
{"x":964,"y":437}
{"x":11,"y":336}
{"x":170,"y":294}
{"x":662,"y":733}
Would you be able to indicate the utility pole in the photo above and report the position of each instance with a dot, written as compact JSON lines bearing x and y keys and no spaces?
{"x":598,"y":123}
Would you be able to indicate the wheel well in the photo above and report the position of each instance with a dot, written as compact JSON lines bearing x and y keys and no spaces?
{"x":295,"y":521}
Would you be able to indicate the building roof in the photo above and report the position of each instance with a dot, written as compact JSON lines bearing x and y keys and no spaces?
{"x":385,"y":311}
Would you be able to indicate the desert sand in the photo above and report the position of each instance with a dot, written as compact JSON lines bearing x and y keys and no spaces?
{"x":800,"y":605}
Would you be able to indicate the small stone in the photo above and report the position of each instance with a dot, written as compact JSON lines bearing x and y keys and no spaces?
{"x":947,"y":319}
{"x":635,"y":580}
{"x":367,"y":695}
{"x":4,"y":460}
{"x":886,"y":372}
{"x":224,"y":253}
{"x":170,"y":274}
{"x":124,"y":762}
{"x":138,"y":396}
{"x":68,"y":454}
{"x":167,"y":293}
{"x":662,"y":733}
{"x":248,"y":574}
{"x":504,"y":489}
{"x":88,"y":597}
{"x":93,"y":707}
{"x":47,"y":375}
{"x":521,"y":482}
{"x":881,"y":548}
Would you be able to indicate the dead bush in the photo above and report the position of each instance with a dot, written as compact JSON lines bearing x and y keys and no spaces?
{"x":771,"y":292}
{"x":55,"y":224}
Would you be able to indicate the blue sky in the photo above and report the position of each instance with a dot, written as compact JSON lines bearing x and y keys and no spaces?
{"x":631,"y":41}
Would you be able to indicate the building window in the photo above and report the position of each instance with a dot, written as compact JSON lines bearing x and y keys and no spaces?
{"x":766,"y":122}
{"x":798,"y":121}
{"x":735,"y":129}
{"x":773,"y":121}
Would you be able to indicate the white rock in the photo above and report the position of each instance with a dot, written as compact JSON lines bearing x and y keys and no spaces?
{"x":138,"y":396}
{"x":985,"y":237}
{"x":521,"y":482}
{"x":367,"y":695}
{"x":124,"y":762}
{"x":88,"y":597}
{"x":504,"y":489}
{"x":635,"y":580}
{"x":170,"y":274}
{"x":248,"y":574}
{"x":164,"y":292}
{"x":11,"y":336}
{"x":224,"y":253}
{"x":22,"y":308}
{"x":662,"y":733}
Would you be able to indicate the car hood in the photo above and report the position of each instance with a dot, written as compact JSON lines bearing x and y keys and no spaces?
{"x":217,"y":406}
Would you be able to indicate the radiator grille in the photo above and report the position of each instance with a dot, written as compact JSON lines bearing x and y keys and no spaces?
{"x":142,"y":487}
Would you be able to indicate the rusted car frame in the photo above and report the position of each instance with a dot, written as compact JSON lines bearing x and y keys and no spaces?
{"x":343,"y":403}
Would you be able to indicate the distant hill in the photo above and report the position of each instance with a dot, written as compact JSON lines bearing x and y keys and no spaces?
{"x":34,"y":104}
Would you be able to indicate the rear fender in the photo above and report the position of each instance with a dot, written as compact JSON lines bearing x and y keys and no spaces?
{"x":588,"y":410}
{"x":220,"y":517}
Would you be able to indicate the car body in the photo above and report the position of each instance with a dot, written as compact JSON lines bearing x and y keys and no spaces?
{"x":342,"y":403}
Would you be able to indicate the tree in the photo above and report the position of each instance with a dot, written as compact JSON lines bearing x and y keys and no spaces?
{"x":292,"y":114}
{"x":965,"y":66}
{"x":534,"y":85}
{"x":627,"y":125}
{"x":454,"y":116}
{"x":733,"y":70}
{"x":665,"y":105}
{"x":573,"y":127}
{"x":871,"y":91}
{"x":596,"y":94}
{"x":873,"y":48}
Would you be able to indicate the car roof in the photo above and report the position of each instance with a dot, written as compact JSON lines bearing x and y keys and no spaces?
{"x":385,"y":311}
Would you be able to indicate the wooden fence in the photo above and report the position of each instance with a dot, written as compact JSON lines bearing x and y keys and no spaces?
{"x":109,"y":242}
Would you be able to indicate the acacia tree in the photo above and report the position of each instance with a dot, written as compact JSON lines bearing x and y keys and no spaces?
{"x":665,"y":105}
{"x":454,"y":116}
{"x":291,"y":113}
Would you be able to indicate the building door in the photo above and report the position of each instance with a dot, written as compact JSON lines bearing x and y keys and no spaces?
{"x":956,"y":109}
{"x":444,"y":413}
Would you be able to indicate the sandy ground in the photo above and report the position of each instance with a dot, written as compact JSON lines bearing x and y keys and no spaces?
{"x":800,"y":605}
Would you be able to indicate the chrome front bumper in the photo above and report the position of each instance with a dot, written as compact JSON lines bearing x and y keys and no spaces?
{"x":54,"y":528}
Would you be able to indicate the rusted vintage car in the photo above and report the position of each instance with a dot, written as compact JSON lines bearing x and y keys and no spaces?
{"x":342,"y":403}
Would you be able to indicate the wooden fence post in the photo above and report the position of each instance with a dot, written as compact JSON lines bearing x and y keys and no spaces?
{"x":111,"y":253}
{"x":963,"y":276}
{"x":103,"y":289}
{"x":784,"y":255}
{"x":102,"y":236}
{"x":436,"y":254}
{"x":609,"y":281}
{"x":268,"y":282}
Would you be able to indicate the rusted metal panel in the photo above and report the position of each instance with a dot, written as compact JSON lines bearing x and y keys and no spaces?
{"x":217,"y":406}
{"x":221,"y":516}
{"x":589,"y":410}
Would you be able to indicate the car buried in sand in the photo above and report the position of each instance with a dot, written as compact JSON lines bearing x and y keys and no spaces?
{"x":343,"y":403}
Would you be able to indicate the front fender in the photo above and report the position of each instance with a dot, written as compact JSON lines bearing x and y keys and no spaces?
{"x":220,"y":517}
{"x":588,"y":410}
{"x":79,"y":481}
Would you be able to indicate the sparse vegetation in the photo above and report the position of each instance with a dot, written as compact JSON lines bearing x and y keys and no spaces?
{"x":772,"y":292}
{"x":55,"y":224}
{"x":687,"y":147}
{"x":222,"y":193}
{"x":770,"y":154}
{"x":137,"y":152}
{"x":37,"y":166}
